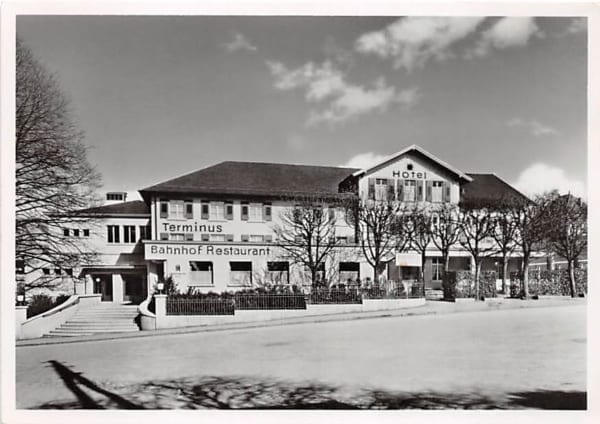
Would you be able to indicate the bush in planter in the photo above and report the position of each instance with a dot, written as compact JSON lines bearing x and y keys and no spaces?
{"x":41,"y":303}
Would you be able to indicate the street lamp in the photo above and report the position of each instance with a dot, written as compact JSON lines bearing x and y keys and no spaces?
{"x":160,"y":286}
{"x":20,"y":300}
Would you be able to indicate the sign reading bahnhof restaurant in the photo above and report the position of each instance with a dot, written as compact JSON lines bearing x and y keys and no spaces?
{"x":157,"y":251}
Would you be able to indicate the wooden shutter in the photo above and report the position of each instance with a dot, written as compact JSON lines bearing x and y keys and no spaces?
{"x":391,"y":190}
{"x":204,"y":213}
{"x":245,"y":237}
{"x":189,"y":236}
{"x":164,"y":236}
{"x":269,"y":238}
{"x":229,"y":210}
{"x":400,"y":189}
{"x":419,"y":190}
{"x":229,"y":237}
{"x":205,"y":237}
{"x":244,"y":211}
{"x":164,"y":209}
{"x":267,"y":212}
{"x":429,"y":189}
{"x":189,"y":209}
{"x":371,"y":191}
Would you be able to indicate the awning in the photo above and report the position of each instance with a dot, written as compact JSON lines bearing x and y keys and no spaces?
{"x":408,"y":259}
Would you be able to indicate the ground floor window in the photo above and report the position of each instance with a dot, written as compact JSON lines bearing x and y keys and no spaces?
{"x":349,"y":272}
{"x":437,"y":268}
{"x":278,"y":272}
{"x":201,"y":273}
{"x":240,"y":273}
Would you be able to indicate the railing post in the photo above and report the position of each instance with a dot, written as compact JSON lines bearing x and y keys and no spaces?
{"x":160,"y":309}
{"x":20,"y":318}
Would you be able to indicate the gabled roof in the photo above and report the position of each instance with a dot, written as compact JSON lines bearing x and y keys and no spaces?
{"x":256,"y":179}
{"x":489,"y":188}
{"x":135,"y":208}
{"x":422,"y":152}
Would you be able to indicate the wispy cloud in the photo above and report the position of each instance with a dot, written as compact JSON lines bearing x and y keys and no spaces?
{"x":504,"y":33}
{"x":239,"y":42}
{"x":413,"y":41}
{"x":576,"y":26}
{"x":540,"y":178}
{"x":334,"y":99}
{"x":536,"y":128}
{"x":364,"y":160}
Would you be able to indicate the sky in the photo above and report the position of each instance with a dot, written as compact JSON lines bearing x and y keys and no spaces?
{"x":162,"y":96}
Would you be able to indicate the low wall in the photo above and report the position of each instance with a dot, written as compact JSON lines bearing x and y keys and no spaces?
{"x":45,"y":322}
{"x":369,"y":305}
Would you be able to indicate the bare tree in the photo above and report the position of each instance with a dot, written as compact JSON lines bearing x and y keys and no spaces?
{"x":445,"y":232}
{"x":53,"y":177}
{"x":505,"y":233}
{"x":306,"y":233}
{"x":419,"y":231}
{"x":475,"y":229}
{"x":529,"y":219}
{"x":566,"y":230}
{"x":380,"y":230}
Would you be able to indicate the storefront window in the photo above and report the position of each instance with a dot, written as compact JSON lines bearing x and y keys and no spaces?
{"x":201,"y":273}
{"x":278,"y":272}
{"x":240,"y":273}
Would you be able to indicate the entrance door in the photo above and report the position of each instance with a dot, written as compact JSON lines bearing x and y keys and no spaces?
{"x":134,"y":288}
{"x":103,"y":286}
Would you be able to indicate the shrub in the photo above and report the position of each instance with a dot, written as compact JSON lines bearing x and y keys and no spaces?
{"x":41,"y":303}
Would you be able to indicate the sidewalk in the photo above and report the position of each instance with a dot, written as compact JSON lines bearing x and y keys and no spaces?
{"x":430,"y":308}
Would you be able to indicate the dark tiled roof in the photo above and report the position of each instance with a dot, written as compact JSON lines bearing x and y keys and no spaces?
{"x":135,"y":207}
{"x":489,"y":187}
{"x":257,"y":179}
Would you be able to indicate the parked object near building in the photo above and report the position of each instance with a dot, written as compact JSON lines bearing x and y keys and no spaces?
{"x":214,"y":229}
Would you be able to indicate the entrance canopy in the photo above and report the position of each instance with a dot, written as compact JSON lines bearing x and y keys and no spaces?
{"x":408,"y":259}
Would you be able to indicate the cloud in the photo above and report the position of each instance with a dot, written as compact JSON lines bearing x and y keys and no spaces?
{"x":536,"y":128}
{"x":412,"y":41}
{"x":296,"y":142}
{"x":540,"y":178}
{"x":334,"y":99}
{"x":576,"y":26}
{"x":239,"y":42}
{"x":504,"y":33}
{"x":364,"y":160}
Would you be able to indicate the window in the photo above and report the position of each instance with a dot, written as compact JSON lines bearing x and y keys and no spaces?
{"x":409,"y":190}
{"x":380,"y":189}
{"x":57,"y":271}
{"x":217,"y":237}
{"x":46,"y":271}
{"x":244,"y":210}
{"x":164,"y":209}
{"x":229,"y":210}
{"x":176,"y":209}
{"x":69,"y":272}
{"x":217,"y":211}
{"x":113,"y":234}
{"x":436,"y":191}
{"x":267,"y":212}
{"x":76,"y":232}
{"x":20,"y":266}
{"x":201,"y":273}
{"x":349,"y":271}
{"x":436,"y":269}
{"x":86,"y":232}
{"x":145,"y":232}
{"x":189,"y":209}
{"x":66,"y":232}
{"x":409,"y":167}
{"x":129,"y":234}
{"x":256,"y":238}
{"x":177,"y":237}
{"x":177,"y":268}
{"x":255,"y":212}
{"x":278,"y":272}
{"x":115,"y":196}
{"x":240,"y":273}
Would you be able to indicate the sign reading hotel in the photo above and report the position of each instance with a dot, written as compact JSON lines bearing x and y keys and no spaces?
{"x":161,"y":251}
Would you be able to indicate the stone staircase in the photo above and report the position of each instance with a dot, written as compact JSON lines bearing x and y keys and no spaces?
{"x":102,"y":318}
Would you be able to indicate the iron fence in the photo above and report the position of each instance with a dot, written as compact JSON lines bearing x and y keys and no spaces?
{"x":263,"y":301}
{"x":329,"y":297}
{"x":191,"y":306}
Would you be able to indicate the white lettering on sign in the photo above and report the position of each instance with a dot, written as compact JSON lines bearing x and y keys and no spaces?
{"x":209,"y":250}
{"x":410,"y":174}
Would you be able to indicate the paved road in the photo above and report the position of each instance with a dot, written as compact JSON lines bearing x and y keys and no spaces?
{"x":476,"y":359}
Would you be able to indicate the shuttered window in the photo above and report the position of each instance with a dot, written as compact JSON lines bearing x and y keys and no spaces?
{"x":189,"y":209}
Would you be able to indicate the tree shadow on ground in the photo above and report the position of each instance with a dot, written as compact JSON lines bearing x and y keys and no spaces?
{"x":245,"y":392}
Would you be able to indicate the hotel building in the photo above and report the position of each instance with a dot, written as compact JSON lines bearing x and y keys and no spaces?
{"x":213,"y":229}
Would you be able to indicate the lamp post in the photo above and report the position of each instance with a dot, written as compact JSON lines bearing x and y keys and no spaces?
{"x":160,"y":286}
{"x":20,"y":300}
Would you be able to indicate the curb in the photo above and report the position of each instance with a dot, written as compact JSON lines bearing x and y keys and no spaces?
{"x":423,"y":310}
